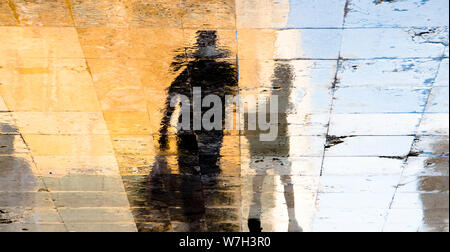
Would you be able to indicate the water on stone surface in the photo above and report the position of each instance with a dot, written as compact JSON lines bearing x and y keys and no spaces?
{"x":89,"y":141}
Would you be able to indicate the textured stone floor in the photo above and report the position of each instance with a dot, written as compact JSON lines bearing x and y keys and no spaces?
{"x":363,"y":124}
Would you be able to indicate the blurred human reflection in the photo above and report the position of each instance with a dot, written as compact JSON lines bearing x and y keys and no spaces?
{"x":16,"y":174}
{"x":198,"y":151}
{"x":282,"y":84}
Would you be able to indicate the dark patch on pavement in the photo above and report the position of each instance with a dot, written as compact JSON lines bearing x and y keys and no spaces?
{"x":334,"y":140}
{"x":377,"y":2}
{"x":393,"y":157}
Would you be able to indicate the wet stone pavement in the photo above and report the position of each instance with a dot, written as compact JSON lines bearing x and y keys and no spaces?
{"x":89,"y":139}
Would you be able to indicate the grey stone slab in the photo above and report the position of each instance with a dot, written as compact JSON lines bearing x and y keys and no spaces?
{"x":362,"y":166}
{"x":424,"y":184}
{"x":427,"y":166}
{"x":84,"y":183}
{"x":373,"y":124}
{"x":316,"y":14}
{"x":442,"y":77}
{"x":25,"y":199}
{"x":89,"y":199}
{"x":95,"y":215}
{"x":430,"y":146}
{"x":438,"y":101}
{"x":12,"y":144}
{"x":315,"y":44}
{"x":353,"y":184}
{"x":380,"y":100}
{"x":361,"y":13}
{"x":107,"y":227}
{"x":434,"y":124}
{"x":388,"y":73}
{"x":421,"y":201}
{"x":29,"y":215}
{"x":24,"y":227}
{"x":393,"y":43}
{"x":364,"y":200}
{"x":369,"y":146}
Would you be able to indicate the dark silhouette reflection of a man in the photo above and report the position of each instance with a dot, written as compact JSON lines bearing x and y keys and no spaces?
{"x":205,"y":66}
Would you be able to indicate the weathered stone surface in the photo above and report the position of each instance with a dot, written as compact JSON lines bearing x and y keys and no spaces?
{"x":89,"y":141}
